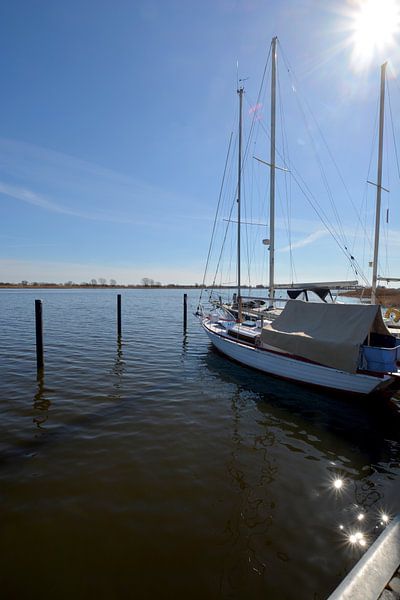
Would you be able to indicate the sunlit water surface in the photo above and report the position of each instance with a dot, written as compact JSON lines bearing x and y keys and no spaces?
{"x":156,"y":468}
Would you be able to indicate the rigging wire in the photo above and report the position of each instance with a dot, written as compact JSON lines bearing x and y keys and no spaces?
{"x":367,"y":231}
{"x":246,"y":216}
{"x":391,"y":122}
{"x":253,"y":129}
{"x":316,"y":154}
{"x":246,"y":236}
{"x":339,"y":237}
{"x":334,"y":162}
{"x":223,"y":244}
{"x":243,"y":162}
{"x":386,"y":220}
{"x":391,"y":116}
{"x":367,"y":235}
{"x":213,"y":285}
{"x":254,"y":119}
{"x":319,"y":211}
{"x":285,"y":152}
{"x":258,"y":268}
{"x":394,"y":143}
{"x":337,"y":233}
{"x":216,"y":215}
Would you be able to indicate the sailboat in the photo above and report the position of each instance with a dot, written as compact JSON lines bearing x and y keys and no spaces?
{"x":392,"y":324}
{"x":344,"y":347}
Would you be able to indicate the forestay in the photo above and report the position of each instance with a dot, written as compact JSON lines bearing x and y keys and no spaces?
{"x":329,"y":334}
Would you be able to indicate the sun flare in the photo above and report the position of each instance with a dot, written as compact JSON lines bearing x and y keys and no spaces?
{"x":375,"y":24}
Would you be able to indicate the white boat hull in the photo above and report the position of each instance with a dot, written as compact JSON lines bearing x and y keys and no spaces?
{"x":294,"y":369}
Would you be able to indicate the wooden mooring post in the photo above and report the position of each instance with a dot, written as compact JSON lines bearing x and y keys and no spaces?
{"x":39,"y":336}
{"x":119,"y":324}
{"x":184,"y":312}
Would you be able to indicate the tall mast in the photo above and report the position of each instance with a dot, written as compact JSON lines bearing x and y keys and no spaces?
{"x":272,"y":178}
{"x":378,"y":185}
{"x":240,"y":92}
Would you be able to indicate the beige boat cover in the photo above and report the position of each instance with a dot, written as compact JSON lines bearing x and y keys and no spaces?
{"x":329,"y":334}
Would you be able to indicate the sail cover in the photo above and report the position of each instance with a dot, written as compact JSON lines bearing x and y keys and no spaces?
{"x":329,"y":334}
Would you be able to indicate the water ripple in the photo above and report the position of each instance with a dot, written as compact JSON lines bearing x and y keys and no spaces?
{"x":154,"y":464}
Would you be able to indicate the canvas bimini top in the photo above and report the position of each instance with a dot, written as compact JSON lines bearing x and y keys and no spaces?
{"x":329,"y":334}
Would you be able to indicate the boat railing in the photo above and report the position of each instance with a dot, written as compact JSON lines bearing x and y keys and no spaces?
{"x":263,"y":299}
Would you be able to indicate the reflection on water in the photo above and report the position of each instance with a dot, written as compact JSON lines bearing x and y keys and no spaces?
{"x":185,"y":343}
{"x":250,"y":520}
{"x":358,"y":440}
{"x":370,"y":427}
{"x":41,"y":404}
{"x":181,"y":473}
{"x":118,"y":370}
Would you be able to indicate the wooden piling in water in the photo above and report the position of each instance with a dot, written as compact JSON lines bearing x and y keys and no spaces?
{"x":119,"y":324}
{"x":39,"y":335}
{"x":184,"y":312}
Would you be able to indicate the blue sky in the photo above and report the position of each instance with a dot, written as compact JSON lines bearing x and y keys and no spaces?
{"x":115,"y":119}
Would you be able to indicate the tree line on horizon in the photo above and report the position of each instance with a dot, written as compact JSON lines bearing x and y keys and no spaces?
{"x":145,"y":282}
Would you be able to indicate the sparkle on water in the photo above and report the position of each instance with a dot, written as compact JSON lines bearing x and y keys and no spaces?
{"x":362,"y":542}
{"x":338,"y":483}
{"x":384,"y":519}
{"x":357,"y":538}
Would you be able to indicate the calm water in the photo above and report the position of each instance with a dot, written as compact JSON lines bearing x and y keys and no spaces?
{"x":157,"y":468}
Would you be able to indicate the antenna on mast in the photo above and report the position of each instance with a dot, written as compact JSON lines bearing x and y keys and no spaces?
{"x":238,"y":79}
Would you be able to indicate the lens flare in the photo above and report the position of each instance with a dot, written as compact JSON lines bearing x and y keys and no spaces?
{"x":338,"y":483}
{"x":374,"y":25}
{"x":357,"y":538}
{"x":385,"y":519}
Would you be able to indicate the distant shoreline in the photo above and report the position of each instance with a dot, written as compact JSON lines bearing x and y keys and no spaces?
{"x":385,"y":296}
{"x":60,"y":286}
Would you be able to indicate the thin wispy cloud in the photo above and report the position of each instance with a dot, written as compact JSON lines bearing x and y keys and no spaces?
{"x":30,"y":197}
{"x":38,"y":200}
{"x":67,"y":185}
{"x":310,"y":239}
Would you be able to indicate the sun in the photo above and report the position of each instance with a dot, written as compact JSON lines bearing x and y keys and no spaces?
{"x":375,"y":24}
